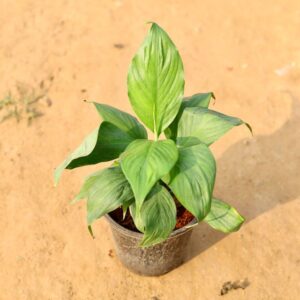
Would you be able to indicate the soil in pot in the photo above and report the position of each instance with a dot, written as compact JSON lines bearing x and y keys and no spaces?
{"x":183,"y":218}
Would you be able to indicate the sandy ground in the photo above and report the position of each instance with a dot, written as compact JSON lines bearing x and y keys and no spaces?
{"x":247,"y":52}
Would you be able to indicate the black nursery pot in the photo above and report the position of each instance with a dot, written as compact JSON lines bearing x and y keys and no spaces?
{"x":151,"y":261}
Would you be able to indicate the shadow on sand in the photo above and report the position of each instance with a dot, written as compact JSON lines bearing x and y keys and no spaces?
{"x":256,"y":175}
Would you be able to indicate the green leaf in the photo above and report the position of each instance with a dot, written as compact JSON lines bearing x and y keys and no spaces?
{"x":105,"y":191}
{"x":145,"y":162}
{"x":88,"y":183}
{"x":197,"y":100}
{"x":155,"y":81}
{"x":122,"y":120}
{"x":223,"y":217}
{"x":125,"y":207}
{"x":205,"y":124}
{"x":157,"y":218}
{"x":192,"y":179}
{"x":105,"y":143}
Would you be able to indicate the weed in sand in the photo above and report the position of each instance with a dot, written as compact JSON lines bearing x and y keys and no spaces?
{"x":24,"y":102}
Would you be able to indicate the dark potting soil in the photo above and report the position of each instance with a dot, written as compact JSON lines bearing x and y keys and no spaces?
{"x":183,"y":218}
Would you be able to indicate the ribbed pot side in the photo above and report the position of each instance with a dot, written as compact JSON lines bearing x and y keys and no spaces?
{"x":152,"y":261}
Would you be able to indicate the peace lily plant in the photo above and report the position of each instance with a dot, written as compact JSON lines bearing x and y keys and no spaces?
{"x":147,"y":175}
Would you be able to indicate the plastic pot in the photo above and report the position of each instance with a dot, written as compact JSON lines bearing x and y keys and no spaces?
{"x":151,"y":261}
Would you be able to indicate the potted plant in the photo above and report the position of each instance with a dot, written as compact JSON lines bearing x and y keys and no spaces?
{"x":156,"y":190}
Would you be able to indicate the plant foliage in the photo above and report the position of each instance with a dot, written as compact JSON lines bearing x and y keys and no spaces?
{"x":182,"y":162}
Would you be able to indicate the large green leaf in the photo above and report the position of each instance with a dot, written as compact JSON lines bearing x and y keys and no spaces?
{"x":145,"y":162}
{"x":155,"y":80}
{"x":88,"y":183}
{"x":105,"y":191}
{"x":192,"y":179}
{"x":157,"y":218}
{"x":122,"y":120}
{"x":223,"y":217}
{"x":204,"y":124}
{"x":105,"y":143}
{"x":197,"y":100}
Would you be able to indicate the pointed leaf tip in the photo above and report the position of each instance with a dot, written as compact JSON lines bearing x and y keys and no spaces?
{"x":249,"y":127}
{"x":91,"y":231}
{"x":151,"y":22}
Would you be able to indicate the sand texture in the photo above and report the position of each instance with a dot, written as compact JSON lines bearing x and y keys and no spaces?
{"x":246,"y":52}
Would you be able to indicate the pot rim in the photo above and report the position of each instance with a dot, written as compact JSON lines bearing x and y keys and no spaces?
{"x":139,"y":235}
